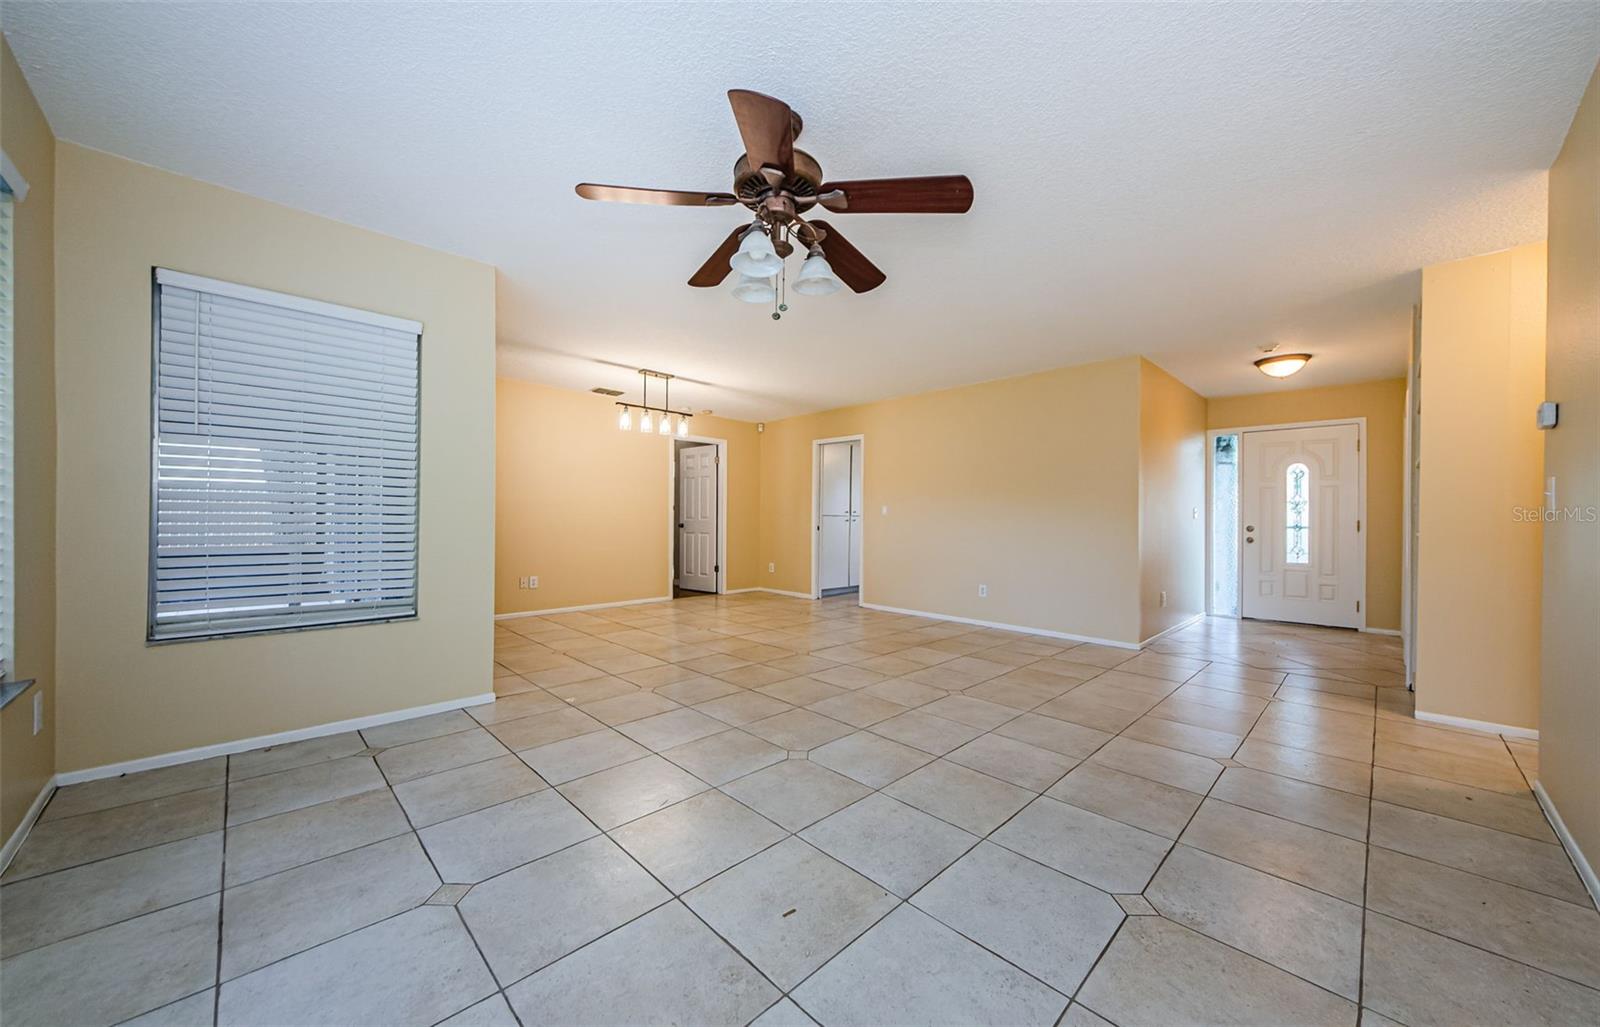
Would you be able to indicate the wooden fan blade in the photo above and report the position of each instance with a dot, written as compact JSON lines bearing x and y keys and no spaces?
{"x":852,"y":267}
{"x":715,"y":269}
{"x":666,"y":197}
{"x":767,"y":126}
{"x":936,"y":194}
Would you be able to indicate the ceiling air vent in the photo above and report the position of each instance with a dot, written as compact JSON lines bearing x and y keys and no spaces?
{"x":607,"y":392}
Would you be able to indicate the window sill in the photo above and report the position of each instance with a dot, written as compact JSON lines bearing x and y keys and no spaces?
{"x":12,"y":689}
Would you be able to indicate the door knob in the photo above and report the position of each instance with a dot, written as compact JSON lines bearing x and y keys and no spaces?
{"x":1249,"y":527}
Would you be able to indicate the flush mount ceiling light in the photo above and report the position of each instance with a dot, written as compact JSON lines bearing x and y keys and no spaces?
{"x":1283,"y":364}
{"x":653,"y":420}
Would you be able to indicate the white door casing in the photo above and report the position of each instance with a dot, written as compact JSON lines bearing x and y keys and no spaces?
{"x":1316,"y":574}
{"x":855,"y":514}
{"x":834,"y":517}
{"x":697,"y":518}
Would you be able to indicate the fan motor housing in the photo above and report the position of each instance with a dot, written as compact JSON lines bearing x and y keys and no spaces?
{"x":750,"y":185}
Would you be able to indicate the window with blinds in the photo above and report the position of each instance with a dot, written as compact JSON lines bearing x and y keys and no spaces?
{"x":284,"y":484}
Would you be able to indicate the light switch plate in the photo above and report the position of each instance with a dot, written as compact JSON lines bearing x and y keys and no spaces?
{"x":1547,"y":416}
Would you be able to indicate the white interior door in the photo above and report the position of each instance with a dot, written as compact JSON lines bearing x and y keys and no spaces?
{"x":1299,"y":505}
{"x":834,"y":517}
{"x":855,"y":514}
{"x":697,"y":518}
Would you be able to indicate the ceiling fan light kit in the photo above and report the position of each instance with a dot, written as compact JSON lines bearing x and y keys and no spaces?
{"x":780,"y":184}
{"x":649,"y":424}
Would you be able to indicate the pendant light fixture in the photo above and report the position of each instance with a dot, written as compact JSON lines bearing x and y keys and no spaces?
{"x":816,"y":276}
{"x":1282,"y":365}
{"x":756,"y":256}
{"x":653,"y":420}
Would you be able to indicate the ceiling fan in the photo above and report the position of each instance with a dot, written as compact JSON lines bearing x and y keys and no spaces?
{"x":779,"y":183}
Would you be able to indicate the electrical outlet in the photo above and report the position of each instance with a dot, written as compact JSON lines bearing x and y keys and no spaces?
{"x":533,"y":582}
{"x":522,"y":582}
{"x":1163,"y":597}
{"x":772,"y":568}
{"x":983,"y":591}
{"x":38,"y":712}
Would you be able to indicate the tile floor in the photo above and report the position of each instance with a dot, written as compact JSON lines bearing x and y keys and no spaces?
{"x":756,"y":809}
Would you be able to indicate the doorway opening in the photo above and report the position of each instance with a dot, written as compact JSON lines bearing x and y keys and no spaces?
{"x":836,"y":529}
{"x":1286,"y":519}
{"x":697,"y":500}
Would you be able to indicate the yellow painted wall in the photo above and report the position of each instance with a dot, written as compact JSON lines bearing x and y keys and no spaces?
{"x":1172,"y":498}
{"x":1569,"y":715}
{"x":1480,"y":558}
{"x":27,"y":761}
{"x":120,"y":699}
{"x":584,"y":506}
{"x":1029,"y":485}
{"x":1383,"y":404}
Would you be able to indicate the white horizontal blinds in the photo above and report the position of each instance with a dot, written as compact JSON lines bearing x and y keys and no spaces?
{"x":286,"y":462}
{"x":8,"y":537}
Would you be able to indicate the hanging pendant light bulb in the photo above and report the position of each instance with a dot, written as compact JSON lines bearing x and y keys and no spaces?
{"x":646,"y":425}
{"x":625,"y":420}
{"x":756,"y":256}
{"x":683,"y":427}
{"x":816,"y":276}
{"x":666,"y":425}
{"x":754,"y":290}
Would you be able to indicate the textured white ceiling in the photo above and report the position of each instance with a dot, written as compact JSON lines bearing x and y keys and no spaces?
{"x":1192,"y":182}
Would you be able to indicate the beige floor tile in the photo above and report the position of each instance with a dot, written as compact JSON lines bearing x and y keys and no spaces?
{"x":795,"y":793}
{"x":1017,"y":762}
{"x":696,"y":689}
{"x":1137,"y":801}
{"x":117,"y":972}
{"x":401,"y":732}
{"x":535,"y":914}
{"x":1198,"y":714}
{"x":110,"y":792}
{"x":750,"y":906}
{"x":1167,"y":668}
{"x":197,"y":1010}
{"x":1552,"y":935}
{"x":1238,"y":703}
{"x":1244,"y":680}
{"x":43,"y":910}
{"x":1081,"y":709}
{"x":615,"y":796}
{"x":1326,"y":862}
{"x":798,"y":730}
{"x":493,"y":1011}
{"x":433,"y":755}
{"x":1045,"y":922}
{"x":1105,"y":853}
{"x":418,"y":967}
{"x":1304,"y":765}
{"x":858,"y":709}
{"x":696,"y":839}
{"x":889,"y":843}
{"x":1183,"y":737}
{"x":912,"y":969}
{"x":783,"y":1013}
{"x":905,"y":692}
{"x":273,"y":844}
{"x":572,"y":758}
{"x":1508,"y":858}
{"x":304,"y":786}
{"x":847,"y":676}
{"x":588,"y":690}
{"x":1310,"y":934}
{"x":1327,"y":809}
{"x":1517,"y":814}
{"x":512,"y":707}
{"x":974,"y":712}
{"x":871,"y":759}
{"x":1495,"y":775}
{"x":489,"y":841}
{"x":289,"y":912}
{"x":659,"y":676}
{"x":1058,"y":736}
{"x":679,"y":972}
{"x":1158,"y":972}
{"x":722,"y":757}
{"x":743,"y":708}
{"x":71,"y":841}
{"x":926,"y":732}
{"x":620,"y":709}
{"x":964,"y":797}
{"x":295,"y":754}
{"x":1417,"y":977}
{"x":758,"y":675}
{"x":1158,"y":763}
{"x":544,"y":728}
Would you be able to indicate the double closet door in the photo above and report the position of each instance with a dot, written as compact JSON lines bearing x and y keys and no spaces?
{"x":839,"y":517}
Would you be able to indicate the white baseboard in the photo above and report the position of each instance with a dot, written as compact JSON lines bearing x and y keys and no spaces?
{"x":1176,"y":627}
{"x":1003,"y":627}
{"x":1392,"y":632}
{"x":772,"y":591}
{"x":205,"y":752}
{"x":20,"y":834}
{"x":581,"y":609}
{"x":1478,"y":725}
{"x":1585,"y":870}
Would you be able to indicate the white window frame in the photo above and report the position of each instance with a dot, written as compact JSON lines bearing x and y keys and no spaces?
{"x":167,"y":277}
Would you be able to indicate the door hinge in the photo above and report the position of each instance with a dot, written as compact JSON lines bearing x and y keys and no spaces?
{"x":1358,"y":606}
{"x":1358,"y":524}
{"x":716,"y":568}
{"x":1358,"y":445}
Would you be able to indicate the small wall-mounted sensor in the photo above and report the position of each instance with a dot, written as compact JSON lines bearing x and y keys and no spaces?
{"x":1548,"y":415}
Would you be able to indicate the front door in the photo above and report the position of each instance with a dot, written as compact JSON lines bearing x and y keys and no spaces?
{"x":697,"y":518}
{"x":1299,"y":505}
